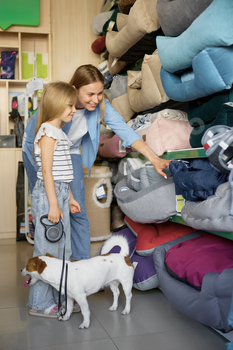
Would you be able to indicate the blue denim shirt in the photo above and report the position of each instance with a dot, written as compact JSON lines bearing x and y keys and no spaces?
{"x":90,"y":141}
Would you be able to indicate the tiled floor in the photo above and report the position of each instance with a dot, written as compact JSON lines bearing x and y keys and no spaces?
{"x":152,"y":324}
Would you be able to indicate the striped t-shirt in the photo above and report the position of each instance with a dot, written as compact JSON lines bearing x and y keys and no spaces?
{"x":62,"y":168}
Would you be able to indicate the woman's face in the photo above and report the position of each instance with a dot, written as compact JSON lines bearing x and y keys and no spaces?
{"x":89,"y":96}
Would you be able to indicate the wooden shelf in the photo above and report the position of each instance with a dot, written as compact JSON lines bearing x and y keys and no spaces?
{"x":23,"y":39}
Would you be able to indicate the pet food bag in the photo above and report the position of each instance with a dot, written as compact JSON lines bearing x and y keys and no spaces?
{"x":98,"y":197}
{"x":8,"y":64}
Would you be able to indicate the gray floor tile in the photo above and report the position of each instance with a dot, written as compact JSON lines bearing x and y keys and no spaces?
{"x":152,"y":324}
{"x":187,"y":339}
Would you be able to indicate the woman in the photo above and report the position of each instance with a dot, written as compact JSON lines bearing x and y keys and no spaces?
{"x":84,"y":131}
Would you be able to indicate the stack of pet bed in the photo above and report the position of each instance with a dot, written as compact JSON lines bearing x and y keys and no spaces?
{"x":204,"y":49}
{"x":212,"y":28}
{"x":191,"y":63}
{"x":145,"y":276}
{"x":146,"y":197}
{"x":193,"y":269}
{"x":131,"y":37}
{"x":162,"y":131}
{"x":215,"y":212}
{"x":141,"y":20}
{"x":198,"y":81}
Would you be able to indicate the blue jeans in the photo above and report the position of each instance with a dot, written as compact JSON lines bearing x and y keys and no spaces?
{"x":43,"y":295}
{"x":79,"y":222}
{"x":31,"y":172}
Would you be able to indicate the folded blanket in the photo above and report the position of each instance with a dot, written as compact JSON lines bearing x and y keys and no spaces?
{"x":196,"y":179}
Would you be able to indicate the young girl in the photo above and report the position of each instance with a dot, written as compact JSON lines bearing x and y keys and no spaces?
{"x":51,"y":194}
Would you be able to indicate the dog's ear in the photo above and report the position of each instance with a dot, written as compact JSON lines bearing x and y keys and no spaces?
{"x":41,"y":265}
{"x":49,"y":255}
{"x":36,"y":264}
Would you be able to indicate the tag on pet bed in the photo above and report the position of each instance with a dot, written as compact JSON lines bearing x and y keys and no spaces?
{"x":180,"y":201}
{"x":122,"y":149}
{"x":100,"y":193}
{"x":110,"y":26}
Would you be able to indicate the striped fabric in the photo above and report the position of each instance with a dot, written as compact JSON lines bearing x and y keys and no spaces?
{"x":62,"y":169}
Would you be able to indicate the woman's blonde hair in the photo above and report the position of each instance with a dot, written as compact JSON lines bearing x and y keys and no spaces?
{"x":85,"y":75}
{"x":55,"y":98}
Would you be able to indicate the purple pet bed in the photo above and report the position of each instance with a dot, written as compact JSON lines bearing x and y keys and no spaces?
{"x":190,"y":261}
{"x":211,"y":304}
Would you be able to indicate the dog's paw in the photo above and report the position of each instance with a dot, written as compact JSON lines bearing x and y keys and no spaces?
{"x":63,"y":318}
{"x":125,"y":312}
{"x":112,"y":308}
{"x":84,"y":325}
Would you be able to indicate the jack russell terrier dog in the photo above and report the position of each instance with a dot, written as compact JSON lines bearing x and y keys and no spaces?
{"x":86,"y":277}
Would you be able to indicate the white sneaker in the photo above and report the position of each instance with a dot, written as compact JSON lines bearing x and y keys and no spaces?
{"x":76,"y":307}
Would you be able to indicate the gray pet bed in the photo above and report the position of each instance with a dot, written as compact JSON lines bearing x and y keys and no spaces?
{"x":210,"y":305}
{"x":156,"y":203}
{"x":176,"y":16}
{"x":212,"y":214}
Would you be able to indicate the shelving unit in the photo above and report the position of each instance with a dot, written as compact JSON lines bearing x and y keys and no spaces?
{"x":23,"y":39}
{"x":185,"y":153}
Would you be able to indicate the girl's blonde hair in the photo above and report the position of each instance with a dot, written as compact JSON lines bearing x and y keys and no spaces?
{"x":85,"y":75}
{"x":55,"y":98}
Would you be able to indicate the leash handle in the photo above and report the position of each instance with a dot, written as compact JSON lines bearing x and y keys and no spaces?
{"x":53,"y":232}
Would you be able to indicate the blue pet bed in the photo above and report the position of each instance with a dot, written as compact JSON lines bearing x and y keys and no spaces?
{"x":213,"y":27}
{"x":212,"y":72}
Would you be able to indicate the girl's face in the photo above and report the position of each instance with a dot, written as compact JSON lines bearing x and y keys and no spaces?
{"x":89,"y":96}
{"x":67,"y":115}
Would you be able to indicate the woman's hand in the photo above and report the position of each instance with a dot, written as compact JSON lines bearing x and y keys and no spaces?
{"x":73,"y":204}
{"x":158,"y":163}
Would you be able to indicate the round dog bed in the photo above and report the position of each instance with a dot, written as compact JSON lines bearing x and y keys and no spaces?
{"x":156,"y":203}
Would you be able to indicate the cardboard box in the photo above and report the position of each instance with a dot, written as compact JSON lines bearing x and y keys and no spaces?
{"x":98,"y":197}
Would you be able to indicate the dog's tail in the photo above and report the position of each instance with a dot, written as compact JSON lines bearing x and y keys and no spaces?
{"x":114,"y":241}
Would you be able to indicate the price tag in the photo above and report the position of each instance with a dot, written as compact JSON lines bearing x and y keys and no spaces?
{"x":110,"y":26}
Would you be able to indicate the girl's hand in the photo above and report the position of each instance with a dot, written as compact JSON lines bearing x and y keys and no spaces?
{"x":55,"y":213}
{"x":74,"y":206}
